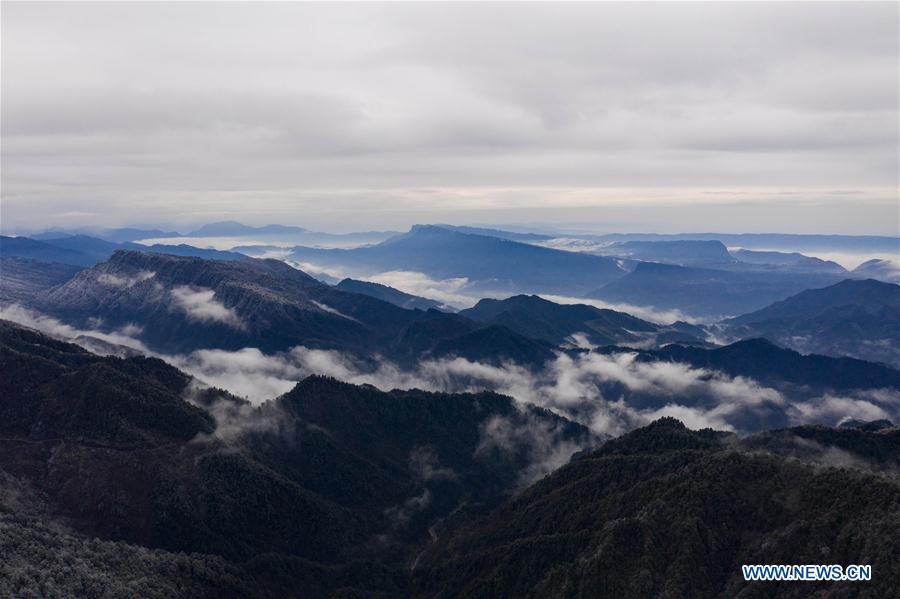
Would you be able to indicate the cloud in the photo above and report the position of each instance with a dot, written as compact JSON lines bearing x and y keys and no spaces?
{"x":660,"y":316}
{"x":832,"y":409}
{"x":247,"y":372}
{"x":120,"y":281}
{"x":387,"y":115}
{"x":199,"y":304}
{"x":542,"y":443}
{"x":424,"y":462}
{"x":331,"y":310}
{"x":333,"y":274}
{"x":447,"y":291}
{"x":123,"y":337}
{"x":609,"y":393}
{"x":235,"y":418}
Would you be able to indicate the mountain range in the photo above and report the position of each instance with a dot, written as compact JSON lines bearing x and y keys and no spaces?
{"x":389,"y":294}
{"x":850,"y":318}
{"x":707,"y":292}
{"x":82,"y":250}
{"x":487,"y":263}
{"x":682,"y":252}
{"x":668,"y":512}
{"x":128,"y":477}
{"x":181,"y":304}
{"x":21,"y":278}
{"x":557,"y":323}
{"x":329,"y":478}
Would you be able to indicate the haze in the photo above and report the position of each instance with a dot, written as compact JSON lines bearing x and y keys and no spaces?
{"x":596,"y":117}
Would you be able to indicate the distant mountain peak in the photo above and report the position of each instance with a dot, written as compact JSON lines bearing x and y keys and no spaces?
{"x":233,"y":228}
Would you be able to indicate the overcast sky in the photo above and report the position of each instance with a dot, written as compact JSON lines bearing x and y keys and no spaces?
{"x":663,"y":117}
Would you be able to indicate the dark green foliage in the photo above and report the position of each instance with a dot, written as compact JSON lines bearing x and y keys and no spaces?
{"x":665,"y":512}
{"x":111,"y":485}
{"x":333,"y":485}
{"x":56,"y":390}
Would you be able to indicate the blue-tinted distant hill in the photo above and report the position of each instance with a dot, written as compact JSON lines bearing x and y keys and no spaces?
{"x":490,"y":263}
{"x":24,"y":247}
{"x":768,"y":241}
{"x":683,"y":252}
{"x":120,"y":235}
{"x":236,"y":229}
{"x":83,"y":250}
{"x":705,"y":292}
{"x":852,"y":318}
{"x":880,"y":269}
{"x":512,"y":235}
{"x":788,"y":260}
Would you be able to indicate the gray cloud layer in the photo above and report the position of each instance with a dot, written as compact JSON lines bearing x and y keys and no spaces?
{"x":420,"y":112}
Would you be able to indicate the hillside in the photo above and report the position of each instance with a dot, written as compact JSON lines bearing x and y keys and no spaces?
{"x":851,"y":318}
{"x":489,"y":263}
{"x":535,"y":317}
{"x":706,"y":292}
{"x":330,"y":481}
{"x":664,"y":511}
{"x":389,"y":294}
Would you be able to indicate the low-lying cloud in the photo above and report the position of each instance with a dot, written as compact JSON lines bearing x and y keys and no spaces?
{"x":199,"y":304}
{"x":124,"y":281}
{"x":609,"y":393}
{"x":657,"y":315}
{"x":123,"y":337}
{"x":450,"y":292}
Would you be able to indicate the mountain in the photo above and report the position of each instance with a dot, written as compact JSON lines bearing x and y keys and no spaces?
{"x":882,"y":270}
{"x":853,"y":244}
{"x":236,"y":229}
{"x":705,"y":292}
{"x":668,"y":512}
{"x":120,"y":235}
{"x":83,"y":250}
{"x":389,"y":294}
{"x":56,"y":390}
{"x":488,"y":263}
{"x":188,"y":250}
{"x":187,"y":303}
{"x":852,"y":318}
{"x":21,"y":278}
{"x":331,"y":486}
{"x":97,"y":249}
{"x":511,"y":235}
{"x":100,"y":250}
{"x":23,"y":247}
{"x":536,"y":317}
{"x":183,"y":304}
{"x":765,"y":362}
{"x":788,"y":259}
{"x":125,"y":234}
{"x":683,"y":252}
